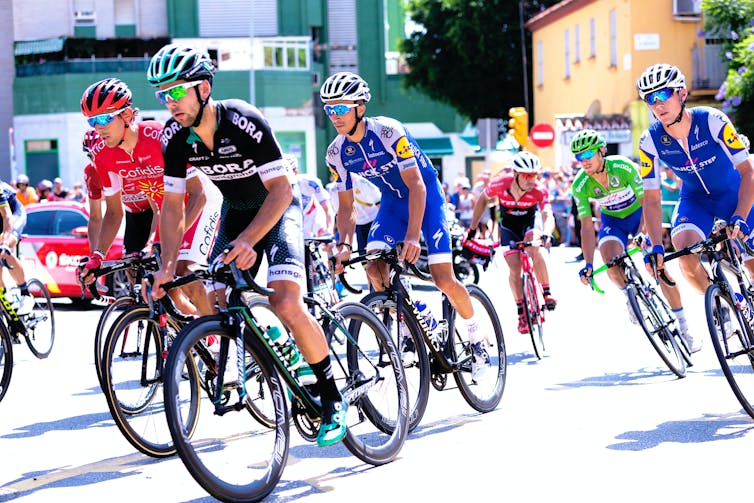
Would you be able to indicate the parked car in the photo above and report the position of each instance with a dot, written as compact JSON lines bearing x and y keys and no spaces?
{"x":54,"y":242}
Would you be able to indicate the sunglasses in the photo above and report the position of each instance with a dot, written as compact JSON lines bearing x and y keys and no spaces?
{"x":102,"y":119}
{"x":586,"y":155}
{"x":662,"y":96}
{"x":528,"y":176}
{"x":176,"y":92}
{"x":341,"y":109}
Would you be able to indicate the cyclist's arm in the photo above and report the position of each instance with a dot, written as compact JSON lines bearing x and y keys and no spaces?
{"x":172,"y":223}
{"x":95,"y":222}
{"x":7,"y":217}
{"x":155,"y":220}
{"x":329,"y":221}
{"x":746,"y":189}
{"x":548,"y":221}
{"x":480,"y":206}
{"x":110,"y":223}
{"x":652,"y":214}
{"x":197,"y":199}
{"x":588,"y":241}
{"x":417,"y":199}
{"x":346,"y":218}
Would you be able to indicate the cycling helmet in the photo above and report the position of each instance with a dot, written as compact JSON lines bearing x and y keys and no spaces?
{"x":179,"y":62}
{"x":90,"y":140}
{"x":45,"y":185}
{"x":658,"y":77}
{"x":526,"y":162}
{"x":290,"y":161}
{"x":23,"y":179}
{"x":105,"y":97}
{"x":345,"y":86}
{"x":587,"y":139}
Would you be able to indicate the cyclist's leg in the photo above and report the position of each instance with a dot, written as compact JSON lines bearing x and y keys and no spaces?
{"x":612,"y":240}
{"x":693,"y":223}
{"x":389,"y":228}
{"x":540,"y":266}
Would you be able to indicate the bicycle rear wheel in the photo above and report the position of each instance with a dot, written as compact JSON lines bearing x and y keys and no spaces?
{"x":369,"y":373}
{"x":133,"y":367}
{"x":6,"y":359}
{"x":485,"y":392}
{"x":40,"y":323}
{"x":231,"y":455}
{"x":106,"y":320}
{"x":658,"y":328}
{"x":734,"y":345}
{"x":406,"y":334}
{"x":533,"y":312}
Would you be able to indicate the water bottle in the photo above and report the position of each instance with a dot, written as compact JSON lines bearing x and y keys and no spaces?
{"x":287,"y":349}
{"x":306,"y":376}
{"x":745,"y":309}
{"x":426,"y":315}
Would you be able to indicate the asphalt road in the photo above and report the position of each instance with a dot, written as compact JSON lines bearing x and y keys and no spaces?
{"x":598,"y":419}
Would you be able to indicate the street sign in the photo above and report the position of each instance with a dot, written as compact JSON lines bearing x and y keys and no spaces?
{"x":542,"y":135}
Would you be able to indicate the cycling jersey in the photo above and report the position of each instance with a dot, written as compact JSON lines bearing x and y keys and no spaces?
{"x":245,"y":154}
{"x":619,"y":199}
{"x":517,"y":215}
{"x":385,"y":150}
{"x":708,"y":170}
{"x":8,"y":197}
{"x":313,"y":195}
{"x":92,"y":182}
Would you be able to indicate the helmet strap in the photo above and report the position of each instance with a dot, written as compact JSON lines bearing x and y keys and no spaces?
{"x":680,"y":115}
{"x":356,"y":124}
{"x":202,"y":104}
{"x":519,"y":185}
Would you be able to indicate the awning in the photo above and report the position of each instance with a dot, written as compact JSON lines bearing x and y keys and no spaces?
{"x":504,"y":145}
{"x":435,"y":147}
{"x":45,"y":46}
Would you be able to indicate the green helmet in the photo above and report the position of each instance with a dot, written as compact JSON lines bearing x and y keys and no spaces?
{"x":588,"y":139}
{"x":179,"y":62}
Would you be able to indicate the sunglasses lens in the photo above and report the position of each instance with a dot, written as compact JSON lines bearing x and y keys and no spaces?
{"x":101,"y":120}
{"x":662,"y":95}
{"x":586,"y":155}
{"x":340,"y":109}
{"x":173,"y":94}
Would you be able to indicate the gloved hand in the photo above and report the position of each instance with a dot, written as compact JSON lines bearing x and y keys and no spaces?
{"x":94,"y":261}
{"x":5,"y":249}
{"x":585,"y":274}
{"x":743,"y":227}
{"x":657,"y":251}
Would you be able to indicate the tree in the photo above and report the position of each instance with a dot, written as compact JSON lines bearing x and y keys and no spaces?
{"x":468,"y":53}
{"x":733,"y":22}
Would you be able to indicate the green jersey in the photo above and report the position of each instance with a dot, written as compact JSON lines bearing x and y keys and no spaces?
{"x":622,"y":196}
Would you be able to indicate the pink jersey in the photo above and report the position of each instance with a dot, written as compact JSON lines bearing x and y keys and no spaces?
{"x":536,"y":198}
{"x":92,"y":182}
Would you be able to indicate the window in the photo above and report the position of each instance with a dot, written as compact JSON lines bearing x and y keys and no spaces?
{"x":67,"y":221}
{"x":592,"y":36}
{"x":613,"y":39}
{"x":567,"y":46}
{"x":289,"y":53}
{"x":540,"y":63}
{"x":576,"y":44}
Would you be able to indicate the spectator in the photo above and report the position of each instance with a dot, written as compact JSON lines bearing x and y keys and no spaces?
{"x":77,"y":194}
{"x":44,"y":191}
{"x":58,"y":191}
{"x":24,"y":193}
{"x":465,"y":206}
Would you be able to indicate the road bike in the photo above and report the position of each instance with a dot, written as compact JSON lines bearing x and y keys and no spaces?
{"x":727,"y":305}
{"x":233,"y":456}
{"x":653,"y":313}
{"x":465,"y":267}
{"x":429,"y":356}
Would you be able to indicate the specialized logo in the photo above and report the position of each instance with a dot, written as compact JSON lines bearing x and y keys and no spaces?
{"x":731,"y":139}
{"x":403,"y":148}
{"x":645,"y":164}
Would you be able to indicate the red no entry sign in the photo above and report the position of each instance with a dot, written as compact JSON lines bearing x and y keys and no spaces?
{"x":542,"y":135}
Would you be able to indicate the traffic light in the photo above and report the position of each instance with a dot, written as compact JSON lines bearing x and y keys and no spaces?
{"x":519,"y":125}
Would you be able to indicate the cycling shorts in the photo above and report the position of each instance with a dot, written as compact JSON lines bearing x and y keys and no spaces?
{"x":619,"y":229}
{"x":699,"y":214}
{"x":19,"y":221}
{"x":138,"y":227}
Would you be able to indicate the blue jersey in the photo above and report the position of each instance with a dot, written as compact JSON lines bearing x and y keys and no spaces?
{"x":8,"y":196}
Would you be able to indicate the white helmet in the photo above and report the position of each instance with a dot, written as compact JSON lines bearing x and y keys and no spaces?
{"x":345,"y":86}
{"x":658,"y":77}
{"x":526,"y":162}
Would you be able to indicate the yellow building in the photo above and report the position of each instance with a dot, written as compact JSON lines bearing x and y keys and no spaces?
{"x":587,"y":55}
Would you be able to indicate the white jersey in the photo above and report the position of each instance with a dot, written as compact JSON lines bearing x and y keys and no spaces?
{"x":313,"y":196}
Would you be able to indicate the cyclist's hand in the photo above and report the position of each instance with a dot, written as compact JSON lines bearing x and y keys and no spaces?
{"x":342,"y":253}
{"x":585,"y":274}
{"x":88,"y":266}
{"x":547,"y":241}
{"x":4,"y":248}
{"x":242,"y":252}
{"x":654,"y":260}
{"x":411,"y":250}
{"x":738,"y":228}
{"x":157,"y":279}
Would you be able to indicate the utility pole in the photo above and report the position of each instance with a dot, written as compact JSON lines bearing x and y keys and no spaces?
{"x":523,"y":55}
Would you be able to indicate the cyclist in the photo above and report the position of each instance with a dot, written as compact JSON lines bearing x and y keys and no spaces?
{"x":13,"y":221}
{"x":383,"y":152}
{"x":315,"y":201}
{"x":522,"y":201}
{"x":702,"y":147}
{"x":232,"y":143}
{"x":93,"y":185}
{"x":129,"y":163}
{"x":615,"y":184}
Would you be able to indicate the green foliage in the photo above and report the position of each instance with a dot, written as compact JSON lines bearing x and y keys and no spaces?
{"x":469,"y":53}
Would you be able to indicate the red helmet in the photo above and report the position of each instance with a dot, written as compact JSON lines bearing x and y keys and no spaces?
{"x":105,"y":97}
{"x":90,"y":140}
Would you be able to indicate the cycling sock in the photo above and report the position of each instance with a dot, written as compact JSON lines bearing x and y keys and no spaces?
{"x":681,"y":319}
{"x":471,"y":327}
{"x":546,"y":289}
{"x":519,"y":307}
{"x":325,"y":382}
{"x":23,"y":288}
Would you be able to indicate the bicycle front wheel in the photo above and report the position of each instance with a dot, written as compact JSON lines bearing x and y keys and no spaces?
{"x":6,"y":359}
{"x":484,"y":392}
{"x":533,"y":312}
{"x":132,"y":378}
{"x":106,"y":320}
{"x":230,"y":454}
{"x":733,"y":343}
{"x":657,"y":326}
{"x":40,"y":323}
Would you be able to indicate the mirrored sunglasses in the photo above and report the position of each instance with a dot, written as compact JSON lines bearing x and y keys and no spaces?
{"x":176,"y":92}
{"x":340,"y":109}
{"x":586,"y":155}
{"x":528,"y":176}
{"x":662,"y":96}
{"x":102,"y":119}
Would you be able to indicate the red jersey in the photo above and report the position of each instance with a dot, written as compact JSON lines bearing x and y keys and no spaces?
{"x":512,"y":209}
{"x":138,"y":176}
{"x":92,"y":182}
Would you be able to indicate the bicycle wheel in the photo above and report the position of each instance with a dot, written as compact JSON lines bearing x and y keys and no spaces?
{"x":40,"y":323}
{"x":371,"y":378}
{"x":406,"y":334}
{"x":231,"y":455}
{"x":666,"y":313}
{"x":657,"y":327}
{"x":533,"y":312}
{"x":6,"y":359}
{"x":733,"y":343}
{"x":465,"y":271}
{"x":106,"y":320}
{"x":485,"y":392}
{"x":132,"y":377}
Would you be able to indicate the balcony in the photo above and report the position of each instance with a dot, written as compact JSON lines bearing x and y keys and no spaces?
{"x":708,"y":67}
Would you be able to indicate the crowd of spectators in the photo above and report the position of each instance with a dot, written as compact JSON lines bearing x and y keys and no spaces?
{"x":46,"y":190}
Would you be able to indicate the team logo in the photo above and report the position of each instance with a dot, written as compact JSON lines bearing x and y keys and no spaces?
{"x":614,"y":182}
{"x":386,"y":132}
{"x":51,"y":259}
{"x":666,"y":140}
{"x":403,"y":148}
{"x":350,"y":150}
{"x":731,"y":139}
{"x":597,"y":191}
{"x":645,"y":164}
{"x":226,"y":150}
{"x":333,"y":151}
{"x":333,"y":173}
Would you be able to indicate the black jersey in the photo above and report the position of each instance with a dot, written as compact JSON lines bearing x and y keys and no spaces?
{"x":245,"y":154}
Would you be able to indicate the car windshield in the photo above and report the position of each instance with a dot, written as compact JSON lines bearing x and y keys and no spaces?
{"x":53,"y":222}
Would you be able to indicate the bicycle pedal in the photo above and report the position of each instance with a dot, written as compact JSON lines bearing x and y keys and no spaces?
{"x":16,"y":339}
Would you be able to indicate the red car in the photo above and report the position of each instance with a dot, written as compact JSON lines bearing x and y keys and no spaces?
{"x":54,"y":242}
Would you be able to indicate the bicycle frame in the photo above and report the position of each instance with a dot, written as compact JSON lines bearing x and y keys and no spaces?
{"x":15,"y":324}
{"x":527,"y":267}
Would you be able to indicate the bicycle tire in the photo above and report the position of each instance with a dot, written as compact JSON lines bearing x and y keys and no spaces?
{"x":657,"y":329}
{"x":417,"y":368}
{"x":667,"y":313}
{"x":6,"y":359}
{"x":370,"y":355}
{"x":465,"y":271}
{"x":40,"y":323}
{"x":232,"y":456}
{"x":533,"y":313}
{"x":106,"y":320}
{"x":132,"y":378}
{"x":734,"y":345}
{"x":493,"y":381}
